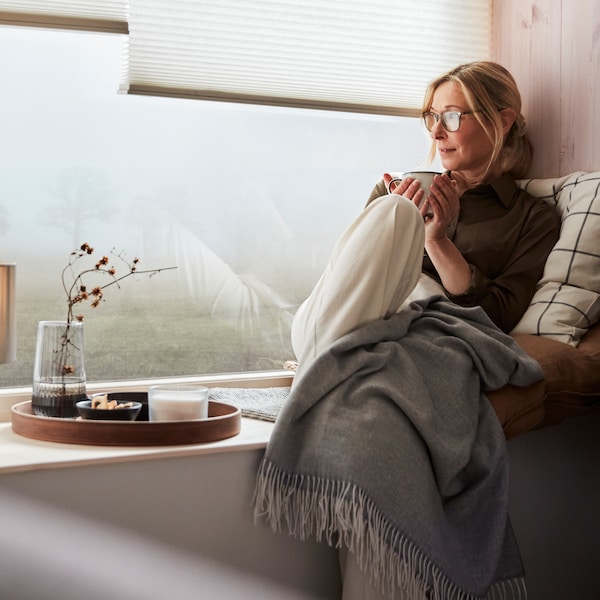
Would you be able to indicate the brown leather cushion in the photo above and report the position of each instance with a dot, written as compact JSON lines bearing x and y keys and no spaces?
{"x":571,"y":385}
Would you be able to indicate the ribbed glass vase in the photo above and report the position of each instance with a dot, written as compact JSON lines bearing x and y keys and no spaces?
{"x":58,"y":372}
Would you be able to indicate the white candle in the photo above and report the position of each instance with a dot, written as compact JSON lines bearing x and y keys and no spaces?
{"x":177,"y":402}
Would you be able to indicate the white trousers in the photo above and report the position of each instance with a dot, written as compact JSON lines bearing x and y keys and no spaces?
{"x":372,"y":273}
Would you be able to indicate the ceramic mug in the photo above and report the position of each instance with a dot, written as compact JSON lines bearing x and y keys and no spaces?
{"x":425,"y":178}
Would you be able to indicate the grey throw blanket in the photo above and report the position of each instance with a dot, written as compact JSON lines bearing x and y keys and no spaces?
{"x":388,"y":445}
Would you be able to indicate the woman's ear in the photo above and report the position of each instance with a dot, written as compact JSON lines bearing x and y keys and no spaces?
{"x":508,"y":116}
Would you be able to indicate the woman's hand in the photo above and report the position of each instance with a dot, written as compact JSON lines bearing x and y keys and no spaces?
{"x":453,"y":269}
{"x":408,"y":187}
{"x":443,"y":205}
{"x":440,"y":208}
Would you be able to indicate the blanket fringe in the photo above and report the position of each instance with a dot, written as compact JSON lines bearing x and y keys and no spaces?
{"x":340,"y":514}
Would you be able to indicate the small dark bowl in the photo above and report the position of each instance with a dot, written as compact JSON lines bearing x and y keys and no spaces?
{"x":86,"y":411}
{"x":122,"y":397}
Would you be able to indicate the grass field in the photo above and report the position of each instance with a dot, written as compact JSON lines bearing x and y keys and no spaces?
{"x":155,"y":337}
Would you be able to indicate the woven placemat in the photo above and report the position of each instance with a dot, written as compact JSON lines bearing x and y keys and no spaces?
{"x":256,"y":403}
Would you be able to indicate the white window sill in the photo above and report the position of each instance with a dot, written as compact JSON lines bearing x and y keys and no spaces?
{"x":19,"y":453}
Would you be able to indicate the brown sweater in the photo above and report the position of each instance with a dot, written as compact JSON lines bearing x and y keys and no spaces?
{"x":505,"y":234}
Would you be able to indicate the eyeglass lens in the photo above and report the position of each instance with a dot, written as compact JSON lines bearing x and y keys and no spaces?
{"x":450,"y":120}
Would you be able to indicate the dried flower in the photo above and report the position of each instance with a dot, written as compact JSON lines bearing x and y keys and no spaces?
{"x":74,"y":282}
{"x":80,"y":279}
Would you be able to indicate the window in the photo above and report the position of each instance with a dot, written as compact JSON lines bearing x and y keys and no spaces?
{"x":247,"y":201}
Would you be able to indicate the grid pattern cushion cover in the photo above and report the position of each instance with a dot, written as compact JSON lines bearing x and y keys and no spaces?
{"x":567,"y":301}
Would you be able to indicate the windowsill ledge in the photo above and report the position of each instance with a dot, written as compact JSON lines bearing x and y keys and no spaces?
{"x":23,"y":454}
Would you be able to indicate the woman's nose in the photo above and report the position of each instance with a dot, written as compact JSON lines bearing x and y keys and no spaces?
{"x":438,"y":131}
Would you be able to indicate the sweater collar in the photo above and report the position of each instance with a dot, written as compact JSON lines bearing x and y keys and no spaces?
{"x":504,"y":189}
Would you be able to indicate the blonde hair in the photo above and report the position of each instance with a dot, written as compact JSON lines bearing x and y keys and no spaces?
{"x":488,"y":88}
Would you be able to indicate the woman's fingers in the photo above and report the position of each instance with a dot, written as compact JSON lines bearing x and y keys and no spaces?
{"x":407,"y":187}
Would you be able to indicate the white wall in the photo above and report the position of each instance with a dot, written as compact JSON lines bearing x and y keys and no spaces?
{"x":154,"y":529}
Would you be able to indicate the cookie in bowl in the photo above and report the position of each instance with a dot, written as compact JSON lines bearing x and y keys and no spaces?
{"x":99,"y":407}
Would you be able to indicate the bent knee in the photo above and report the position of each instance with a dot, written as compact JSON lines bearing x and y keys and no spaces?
{"x":397,"y":207}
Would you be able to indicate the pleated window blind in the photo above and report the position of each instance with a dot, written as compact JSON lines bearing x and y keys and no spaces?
{"x":83,"y":15}
{"x":373,"y":56}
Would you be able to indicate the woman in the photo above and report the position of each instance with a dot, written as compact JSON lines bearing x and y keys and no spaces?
{"x":486,"y":242}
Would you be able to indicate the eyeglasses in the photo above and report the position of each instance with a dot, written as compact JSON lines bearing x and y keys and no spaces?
{"x":450,"y":119}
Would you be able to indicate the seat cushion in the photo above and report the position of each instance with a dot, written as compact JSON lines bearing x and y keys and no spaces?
{"x":571,"y":386}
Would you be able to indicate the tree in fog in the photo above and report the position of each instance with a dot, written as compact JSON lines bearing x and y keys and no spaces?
{"x":80,"y":195}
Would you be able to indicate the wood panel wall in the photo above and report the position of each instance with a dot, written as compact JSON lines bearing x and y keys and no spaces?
{"x":552,"y":47}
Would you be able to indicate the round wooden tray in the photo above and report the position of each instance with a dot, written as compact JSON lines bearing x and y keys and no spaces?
{"x":224,"y":421}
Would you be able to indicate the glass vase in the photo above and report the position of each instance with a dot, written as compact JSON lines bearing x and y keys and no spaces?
{"x":58,"y":372}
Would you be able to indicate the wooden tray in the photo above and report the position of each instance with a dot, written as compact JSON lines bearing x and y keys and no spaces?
{"x":224,"y":421}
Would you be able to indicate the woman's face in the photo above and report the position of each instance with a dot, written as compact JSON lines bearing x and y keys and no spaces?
{"x":467,"y":150}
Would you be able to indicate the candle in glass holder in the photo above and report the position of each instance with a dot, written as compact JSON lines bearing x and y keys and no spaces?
{"x":177,"y":402}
